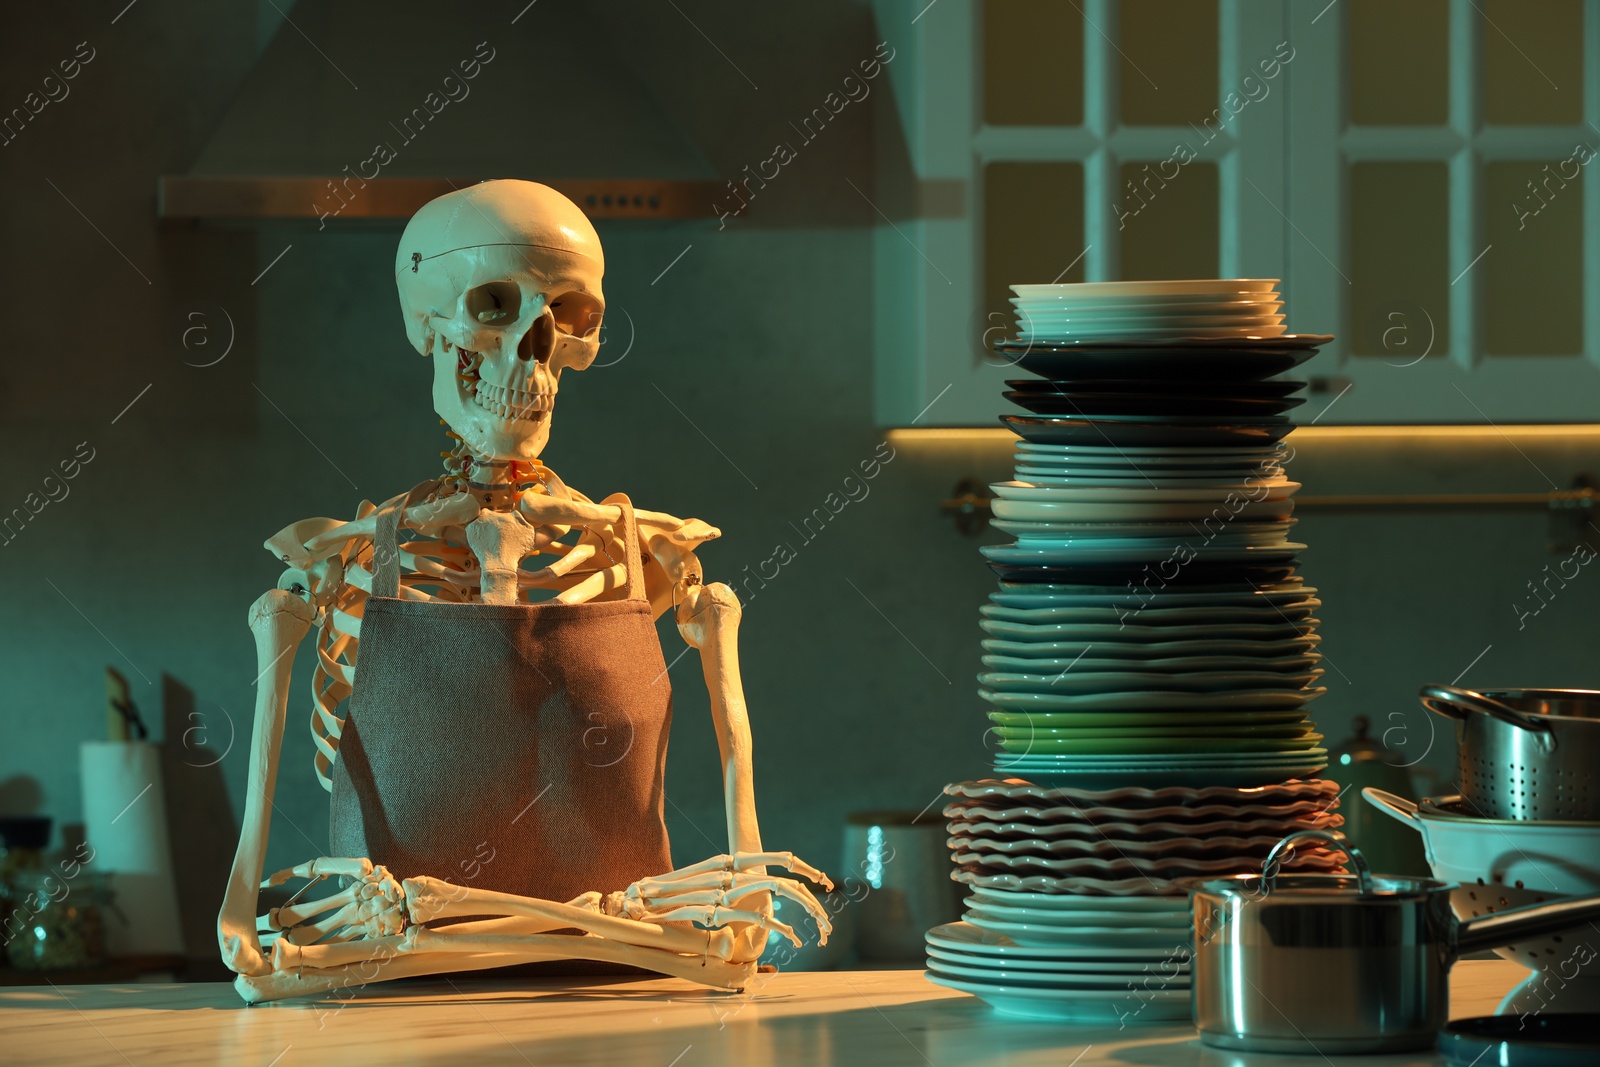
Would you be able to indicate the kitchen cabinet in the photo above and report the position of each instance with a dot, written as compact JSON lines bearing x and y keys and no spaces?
{"x":1417,"y":174}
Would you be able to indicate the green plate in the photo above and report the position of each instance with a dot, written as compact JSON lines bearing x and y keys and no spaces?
{"x":1124,"y":719}
{"x":1070,"y":733}
{"x":1142,"y":746}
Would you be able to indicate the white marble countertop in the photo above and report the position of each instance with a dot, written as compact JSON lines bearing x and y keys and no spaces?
{"x":877,"y":1018}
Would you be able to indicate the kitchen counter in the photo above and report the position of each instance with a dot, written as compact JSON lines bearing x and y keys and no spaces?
{"x":878,"y":1018}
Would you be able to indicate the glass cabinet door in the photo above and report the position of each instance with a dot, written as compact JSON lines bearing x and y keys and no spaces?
{"x":1086,"y":140}
{"x":1438,"y":157}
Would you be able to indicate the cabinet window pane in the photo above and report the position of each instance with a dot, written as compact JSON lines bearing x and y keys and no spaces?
{"x":1168,"y":61}
{"x":1168,"y":226}
{"x":1032,"y":63}
{"x":1532,"y":62}
{"x":1399,"y":260}
{"x":1532,"y":282}
{"x":1033,"y":228}
{"x":1399,"y":62}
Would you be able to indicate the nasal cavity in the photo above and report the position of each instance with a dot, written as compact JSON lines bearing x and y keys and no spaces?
{"x":539,"y":341}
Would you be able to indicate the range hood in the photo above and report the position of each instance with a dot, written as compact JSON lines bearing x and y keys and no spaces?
{"x":360,"y":109}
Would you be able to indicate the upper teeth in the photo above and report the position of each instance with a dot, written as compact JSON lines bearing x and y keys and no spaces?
{"x":512,"y":403}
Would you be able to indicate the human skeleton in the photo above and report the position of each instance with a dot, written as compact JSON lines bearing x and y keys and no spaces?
{"x":513,"y":301}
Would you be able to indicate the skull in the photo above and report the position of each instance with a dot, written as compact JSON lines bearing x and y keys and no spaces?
{"x":500,"y":285}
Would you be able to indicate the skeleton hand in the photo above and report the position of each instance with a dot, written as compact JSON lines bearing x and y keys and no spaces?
{"x":700,"y":893}
{"x":372,"y":905}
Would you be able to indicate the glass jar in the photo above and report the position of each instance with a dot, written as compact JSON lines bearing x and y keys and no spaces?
{"x":56,"y":923}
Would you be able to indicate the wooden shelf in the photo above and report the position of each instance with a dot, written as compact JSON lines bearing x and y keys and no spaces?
{"x":340,"y":197}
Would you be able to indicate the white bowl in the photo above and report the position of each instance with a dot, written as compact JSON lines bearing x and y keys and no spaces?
{"x":1500,"y":864}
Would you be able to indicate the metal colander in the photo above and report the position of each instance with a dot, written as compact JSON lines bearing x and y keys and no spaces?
{"x":1525,"y":753}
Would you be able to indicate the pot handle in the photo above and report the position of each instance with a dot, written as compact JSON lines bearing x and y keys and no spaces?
{"x":1521,"y":924}
{"x":1398,"y":808}
{"x":1269,"y":869}
{"x":1455,"y":703}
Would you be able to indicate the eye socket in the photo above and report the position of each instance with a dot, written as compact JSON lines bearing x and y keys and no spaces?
{"x":495,"y":304}
{"x":578,"y":314}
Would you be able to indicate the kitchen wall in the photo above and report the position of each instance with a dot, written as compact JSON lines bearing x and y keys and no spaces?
{"x":742,"y":398}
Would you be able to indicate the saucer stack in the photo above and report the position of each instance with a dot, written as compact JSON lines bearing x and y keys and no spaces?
{"x":1150,"y":654}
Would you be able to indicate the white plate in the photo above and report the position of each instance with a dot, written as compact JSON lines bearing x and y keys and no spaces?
{"x":966,"y":938}
{"x":1175,"y":759}
{"x":1044,"y":334}
{"x":1134,"y":629}
{"x":1235,"y":534}
{"x":1172,"y":943}
{"x":1268,"y":510}
{"x":1054,"y":667}
{"x":1173,"y":456}
{"x":1076,"y":681}
{"x":1043,"y":596}
{"x":1116,"y":971}
{"x":1160,"y":287}
{"x":1277,"y":699}
{"x":1283,"y":611}
{"x":1203,"y":614}
{"x":1168,"y":531}
{"x":1135,"y":653}
{"x":1054,"y":501}
{"x":1045,"y":478}
{"x":1039,"y":316}
{"x":1200,"y":304}
{"x":1035,"y":978}
{"x":1089,"y":1007}
{"x":1148,"y":923}
{"x":1054,"y":553}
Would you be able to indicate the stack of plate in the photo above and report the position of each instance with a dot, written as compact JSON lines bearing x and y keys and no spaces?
{"x":1149,"y":627}
{"x":1020,"y":836}
{"x":1074,"y":913}
{"x":1207,"y":308}
{"x":1150,"y":654}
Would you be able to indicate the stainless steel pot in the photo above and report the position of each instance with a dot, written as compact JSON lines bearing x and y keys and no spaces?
{"x":1525,"y":753}
{"x":1338,"y":963}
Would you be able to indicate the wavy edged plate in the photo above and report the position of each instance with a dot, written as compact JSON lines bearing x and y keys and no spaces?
{"x":1135,"y":796}
{"x":1154,"y":830}
{"x":1170,"y":867}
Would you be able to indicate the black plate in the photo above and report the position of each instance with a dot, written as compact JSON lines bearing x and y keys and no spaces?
{"x":1147,"y":576}
{"x":1128,"y":432}
{"x":1554,"y":1040}
{"x":1243,"y":344}
{"x":1063,"y":403}
{"x":1210,"y":365}
{"x":1159,"y":387}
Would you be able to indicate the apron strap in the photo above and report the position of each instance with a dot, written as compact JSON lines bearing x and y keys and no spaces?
{"x":386,"y":542}
{"x":630,"y":545}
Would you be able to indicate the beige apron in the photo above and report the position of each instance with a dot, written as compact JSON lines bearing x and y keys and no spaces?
{"x":518,"y":748}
